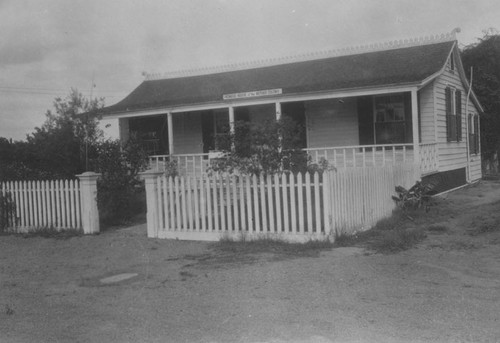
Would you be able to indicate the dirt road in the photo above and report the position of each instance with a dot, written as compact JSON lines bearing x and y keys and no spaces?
{"x":447,"y":289}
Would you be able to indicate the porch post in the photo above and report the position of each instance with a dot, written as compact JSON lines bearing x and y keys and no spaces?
{"x":414,"y":125}
{"x":231,"y":126}
{"x":278,"y":111}
{"x":170,"y":134}
{"x":231,"y":119}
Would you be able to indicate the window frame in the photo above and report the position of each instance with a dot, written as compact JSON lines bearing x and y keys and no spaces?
{"x":387,"y":120}
{"x":453,"y":114}
{"x":473,"y":126}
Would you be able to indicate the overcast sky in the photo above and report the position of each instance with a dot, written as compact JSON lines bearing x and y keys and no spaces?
{"x":49,"y":46}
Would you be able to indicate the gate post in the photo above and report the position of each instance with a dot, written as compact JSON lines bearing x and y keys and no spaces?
{"x":153,"y":212}
{"x":88,"y":202}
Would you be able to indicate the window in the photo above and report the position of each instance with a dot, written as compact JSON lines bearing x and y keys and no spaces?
{"x":453,"y":99}
{"x":151,"y":134}
{"x":473,"y":123}
{"x":214,"y":126}
{"x":390,"y":123}
{"x":452,"y":62}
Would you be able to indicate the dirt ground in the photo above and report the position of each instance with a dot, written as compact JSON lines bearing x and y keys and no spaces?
{"x":446,"y":289}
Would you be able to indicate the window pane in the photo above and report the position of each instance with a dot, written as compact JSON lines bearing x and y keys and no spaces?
{"x":390,"y":133}
{"x":390,"y":118}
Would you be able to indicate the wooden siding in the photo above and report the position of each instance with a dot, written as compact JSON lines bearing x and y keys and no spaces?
{"x":331,"y":123}
{"x":427,"y":119}
{"x":187,"y":133}
{"x":452,"y":155}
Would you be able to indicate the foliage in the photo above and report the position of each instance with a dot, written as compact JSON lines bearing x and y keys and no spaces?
{"x":484,"y":58}
{"x":7,"y":211}
{"x":70,"y":142}
{"x":119,"y":185}
{"x":171,"y":168}
{"x":61,"y":147}
{"x":266,"y":147}
{"x":414,"y":198}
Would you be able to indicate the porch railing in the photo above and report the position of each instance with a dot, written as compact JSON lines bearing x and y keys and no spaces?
{"x":187,"y":164}
{"x":363,"y":155}
{"x":339,"y":157}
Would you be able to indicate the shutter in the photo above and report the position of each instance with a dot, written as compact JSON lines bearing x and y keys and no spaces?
{"x":458,"y":109}
{"x":476,"y":134}
{"x":471,"y":134}
{"x":448,"y":113}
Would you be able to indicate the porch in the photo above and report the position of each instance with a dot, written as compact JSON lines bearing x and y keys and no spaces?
{"x":362,"y":130}
{"x":367,"y":156}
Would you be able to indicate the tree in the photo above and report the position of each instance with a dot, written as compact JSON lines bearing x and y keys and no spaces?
{"x":65,"y":143}
{"x":484,"y":57}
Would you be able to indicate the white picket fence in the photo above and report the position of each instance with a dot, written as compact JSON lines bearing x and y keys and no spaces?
{"x":44,"y":204}
{"x":289,"y":207}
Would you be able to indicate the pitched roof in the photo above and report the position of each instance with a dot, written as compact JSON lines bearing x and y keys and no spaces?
{"x":400,"y":66}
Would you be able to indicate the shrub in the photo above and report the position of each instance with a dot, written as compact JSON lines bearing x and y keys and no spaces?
{"x":119,"y":186}
{"x":267,"y":147}
{"x":416,"y":197}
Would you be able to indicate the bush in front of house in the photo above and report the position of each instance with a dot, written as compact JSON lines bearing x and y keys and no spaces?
{"x":119,"y":190}
{"x":263,"y":148}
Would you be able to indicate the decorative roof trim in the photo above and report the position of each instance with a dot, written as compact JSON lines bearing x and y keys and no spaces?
{"x":397,"y":44}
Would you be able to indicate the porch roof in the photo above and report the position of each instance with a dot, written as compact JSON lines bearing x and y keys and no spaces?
{"x":400,"y":66}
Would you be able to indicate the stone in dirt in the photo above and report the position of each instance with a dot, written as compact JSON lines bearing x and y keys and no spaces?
{"x":118,"y":278}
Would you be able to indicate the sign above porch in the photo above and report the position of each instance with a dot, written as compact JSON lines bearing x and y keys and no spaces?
{"x":244,"y":95}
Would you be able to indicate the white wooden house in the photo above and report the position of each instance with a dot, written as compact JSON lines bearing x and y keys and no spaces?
{"x":368,"y":106}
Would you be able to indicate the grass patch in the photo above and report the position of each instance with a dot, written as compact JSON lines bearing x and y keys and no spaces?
{"x":437,"y":228}
{"x":51,"y":232}
{"x":398,"y":240}
{"x":390,"y":235}
{"x":268,"y":245}
{"x":484,"y":224}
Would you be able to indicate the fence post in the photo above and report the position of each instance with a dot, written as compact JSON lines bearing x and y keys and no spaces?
{"x":88,"y":201}
{"x":152,"y":216}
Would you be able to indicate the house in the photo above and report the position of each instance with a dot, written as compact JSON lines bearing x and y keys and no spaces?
{"x":367,"y":106}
